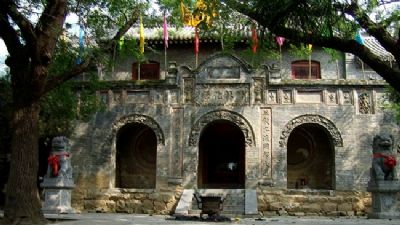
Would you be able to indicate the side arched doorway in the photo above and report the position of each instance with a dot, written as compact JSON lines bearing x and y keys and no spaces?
{"x":136,"y":157}
{"x":310,"y":158}
{"x":221,"y":156}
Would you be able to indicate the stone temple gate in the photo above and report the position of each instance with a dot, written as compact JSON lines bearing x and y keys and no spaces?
{"x":252,"y":134}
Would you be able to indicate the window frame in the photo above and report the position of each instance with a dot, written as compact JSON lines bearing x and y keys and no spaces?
{"x":305,"y":65}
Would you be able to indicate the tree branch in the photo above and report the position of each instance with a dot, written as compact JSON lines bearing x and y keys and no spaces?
{"x":9,"y":35}
{"x":381,"y":34}
{"x":49,"y":28}
{"x":59,"y":79}
{"x":22,"y":22}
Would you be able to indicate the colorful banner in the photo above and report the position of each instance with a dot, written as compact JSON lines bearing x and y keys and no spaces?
{"x":196,"y":41}
{"x":141,"y":36}
{"x":359,"y":38}
{"x":280,"y":40}
{"x":254,"y":39}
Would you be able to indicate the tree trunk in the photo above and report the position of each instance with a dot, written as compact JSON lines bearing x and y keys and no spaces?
{"x":23,"y":204}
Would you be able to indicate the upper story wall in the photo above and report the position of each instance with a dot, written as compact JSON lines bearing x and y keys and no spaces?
{"x":346,"y":66}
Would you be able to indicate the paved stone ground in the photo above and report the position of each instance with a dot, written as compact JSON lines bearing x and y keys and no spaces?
{"x":135,"y":219}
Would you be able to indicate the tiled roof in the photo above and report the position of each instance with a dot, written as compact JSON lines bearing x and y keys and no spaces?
{"x":186,"y":34}
{"x":377,"y":49}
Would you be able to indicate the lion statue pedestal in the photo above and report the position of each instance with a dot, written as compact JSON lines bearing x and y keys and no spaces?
{"x":384,"y":184}
{"x":58,"y":183}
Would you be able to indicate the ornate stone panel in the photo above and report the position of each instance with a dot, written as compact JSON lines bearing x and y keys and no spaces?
{"x":316,"y":119}
{"x":234,"y":117}
{"x":347,"y":98}
{"x":272,"y":97}
{"x":136,"y":118}
{"x":135,"y":97}
{"x":221,"y":94}
{"x":287,"y":97}
{"x":175,"y":156}
{"x":223,"y":72}
{"x":258,"y":90}
{"x":266,"y":150}
{"x":364,"y":103}
{"x":188,"y":90}
{"x":331,"y":97}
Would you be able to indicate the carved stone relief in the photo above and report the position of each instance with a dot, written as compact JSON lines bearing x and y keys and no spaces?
{"x":175,"y":157}
{"x":347,"y":98}
{"x":364,"y":103}
{"x":331,"y":98}
{"x":158,"y":97}
{"x":266,"y":143}
{"x":234,"y":117}
{"x":272,"y":97}
{"x":136,"y":118}
{"x":221,"y":94}
{"x":117,"y":98}
{"x":287,"y":97}
{"x":188,"y":90}
{"x":316,"y":119}
{"x":258,"y":90}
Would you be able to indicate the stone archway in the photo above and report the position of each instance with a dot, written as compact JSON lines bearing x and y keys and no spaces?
{"x":312,"y":119}
{"x":309,"y":142}
{"x":141,"y":119}
{"x":221,"y":156}
{"x":234,"y":117}
{"x":136,"y":140}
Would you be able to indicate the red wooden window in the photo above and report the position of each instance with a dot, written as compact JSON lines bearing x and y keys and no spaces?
{"x":148,"y":71}
{"x":301,"y":69}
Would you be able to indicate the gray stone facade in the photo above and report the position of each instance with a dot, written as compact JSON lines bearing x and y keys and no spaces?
{"x":265,"y":104}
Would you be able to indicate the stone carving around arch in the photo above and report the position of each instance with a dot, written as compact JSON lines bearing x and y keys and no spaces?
{"x":234,"y":117}
{"x":142,"y":119}
{"x":316,"y":119}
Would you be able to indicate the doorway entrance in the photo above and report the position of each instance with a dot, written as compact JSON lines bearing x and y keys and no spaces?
{"x":310,"y":158}
{"x":136,"y":159}
{"x":221,"y":156}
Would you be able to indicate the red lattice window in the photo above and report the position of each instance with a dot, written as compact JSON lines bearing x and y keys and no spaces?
{"x":301,"y":69}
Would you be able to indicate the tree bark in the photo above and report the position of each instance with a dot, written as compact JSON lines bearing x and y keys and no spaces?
{"x":22,"y":199}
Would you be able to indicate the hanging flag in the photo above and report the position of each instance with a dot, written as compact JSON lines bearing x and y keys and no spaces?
{"x":196,"y":41}
{"x":359,"y":38}
{"x":121,"y":43}
{"x":81,"y":44}
{"x":141,"y":36}
{"x":254,"y":39}
{"x":309,"y":47}
{"x":165,"y":32}
{"x":280,"y":40}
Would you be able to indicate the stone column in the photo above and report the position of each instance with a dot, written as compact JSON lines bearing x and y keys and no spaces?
{"x":384,"y":199}
{"x":57,"y":193}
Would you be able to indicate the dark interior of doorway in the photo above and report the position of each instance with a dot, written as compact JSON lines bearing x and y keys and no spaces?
{"x":310,"y":158}
{"x":221,"y":156}
{"x":136,"y":158}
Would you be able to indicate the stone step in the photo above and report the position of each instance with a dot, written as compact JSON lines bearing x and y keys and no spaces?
{"x":234,"y":202}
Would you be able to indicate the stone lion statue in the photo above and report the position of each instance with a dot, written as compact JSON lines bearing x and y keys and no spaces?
{"x":59,"y":162}
{"x":384,"y":158}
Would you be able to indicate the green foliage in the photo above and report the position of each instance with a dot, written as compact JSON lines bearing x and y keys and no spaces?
{"x":300,"y":51}
{"x":63,"y":107}
{"x":392,"y":102}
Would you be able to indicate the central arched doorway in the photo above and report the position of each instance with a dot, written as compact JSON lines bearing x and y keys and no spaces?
{"x":310,"y":158}
{"x":221,"y":156}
